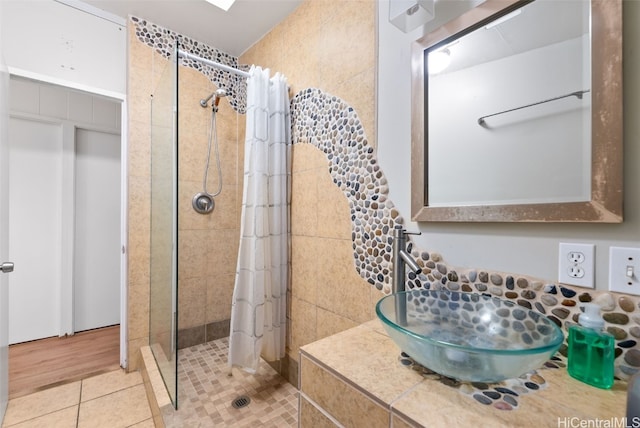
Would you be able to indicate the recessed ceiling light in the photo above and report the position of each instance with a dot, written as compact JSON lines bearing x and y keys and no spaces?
{"x":222,"y":4}
{"x":438,"y":60}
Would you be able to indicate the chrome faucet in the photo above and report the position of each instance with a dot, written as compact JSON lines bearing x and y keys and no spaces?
{"x":400,"y":259}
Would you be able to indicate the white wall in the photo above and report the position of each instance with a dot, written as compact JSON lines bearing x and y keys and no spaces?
{"x":52,"y":41}
{"x":527,"y":249}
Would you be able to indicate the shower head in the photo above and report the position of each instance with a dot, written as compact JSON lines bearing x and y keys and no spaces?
{"x":219,"y":93}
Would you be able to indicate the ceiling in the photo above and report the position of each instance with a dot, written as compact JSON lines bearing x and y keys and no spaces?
{"x":563,"y":20}
{"x":233,"y":32}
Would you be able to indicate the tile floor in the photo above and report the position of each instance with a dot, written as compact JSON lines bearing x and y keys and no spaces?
{"x":206,"y":391}
{"x":109,"y":400}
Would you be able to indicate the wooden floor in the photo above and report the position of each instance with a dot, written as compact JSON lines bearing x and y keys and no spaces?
{"x":48,"y":362}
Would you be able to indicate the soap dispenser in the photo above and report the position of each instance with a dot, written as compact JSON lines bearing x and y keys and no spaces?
{"x":591,"y":350}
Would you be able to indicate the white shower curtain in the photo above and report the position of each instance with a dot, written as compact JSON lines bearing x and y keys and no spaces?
{"x":258,"y":313}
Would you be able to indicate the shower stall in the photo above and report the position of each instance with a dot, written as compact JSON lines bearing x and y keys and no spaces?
{"x":219,"y":260}
{"x":193,"y":252}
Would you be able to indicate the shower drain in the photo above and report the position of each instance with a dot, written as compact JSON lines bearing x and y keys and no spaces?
{"x":240,"y":402}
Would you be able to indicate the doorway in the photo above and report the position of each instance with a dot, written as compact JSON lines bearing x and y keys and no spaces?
{"x":65,"y":199}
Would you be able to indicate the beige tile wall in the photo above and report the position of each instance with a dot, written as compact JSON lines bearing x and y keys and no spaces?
{"x":140,"y":83}
{"x":328,"y":44}
{"x":208,"y":244}
{"x":345,"y":403}
{"x":310,"y":416}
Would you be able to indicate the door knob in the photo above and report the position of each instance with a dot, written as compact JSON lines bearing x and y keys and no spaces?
{"x":6,"y":267}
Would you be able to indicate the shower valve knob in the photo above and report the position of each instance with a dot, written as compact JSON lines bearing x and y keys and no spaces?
{"x":203,"y":203}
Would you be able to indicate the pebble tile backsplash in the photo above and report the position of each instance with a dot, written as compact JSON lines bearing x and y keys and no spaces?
{"x":504,"y":395}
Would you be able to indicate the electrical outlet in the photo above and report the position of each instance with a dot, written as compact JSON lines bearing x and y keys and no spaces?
{"x":576,"y":272}
{"x":576,"y":264}
{"x":624,"y":270}
{"x":576,"y":257}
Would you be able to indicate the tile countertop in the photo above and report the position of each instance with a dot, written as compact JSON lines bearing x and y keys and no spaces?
{"x":366,"y":358}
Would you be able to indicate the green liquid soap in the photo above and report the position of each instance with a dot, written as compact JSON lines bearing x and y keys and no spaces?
{"x":591,"y":350}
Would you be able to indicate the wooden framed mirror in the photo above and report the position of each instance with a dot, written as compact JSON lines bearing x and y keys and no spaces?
{"x":489,"y":134}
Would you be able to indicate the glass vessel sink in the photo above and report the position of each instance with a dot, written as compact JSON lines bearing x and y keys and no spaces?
{"x":469,"y":337}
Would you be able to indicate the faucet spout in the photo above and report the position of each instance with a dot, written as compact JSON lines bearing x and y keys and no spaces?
{"x":401,"y":259}
{"x":409,"y":261}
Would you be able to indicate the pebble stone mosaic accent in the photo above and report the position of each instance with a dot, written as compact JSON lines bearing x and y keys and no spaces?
{"x":504,"y":395}
{"x":331,"y":125}
{"x":164,"y":41}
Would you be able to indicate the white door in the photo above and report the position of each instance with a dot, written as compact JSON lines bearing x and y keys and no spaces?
{"x":96,"y":279}
{"x":4,"y":247}
{"x":35,"y":186}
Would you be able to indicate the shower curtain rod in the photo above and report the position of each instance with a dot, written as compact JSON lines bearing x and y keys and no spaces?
{"x":210,"y":63}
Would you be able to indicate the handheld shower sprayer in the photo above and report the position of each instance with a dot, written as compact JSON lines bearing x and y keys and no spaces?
{"x":203,"y":201}
{"x":219,"y":93}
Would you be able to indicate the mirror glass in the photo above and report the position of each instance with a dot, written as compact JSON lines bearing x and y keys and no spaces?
{"x":513,"y":103}
{"x":523,"y":119}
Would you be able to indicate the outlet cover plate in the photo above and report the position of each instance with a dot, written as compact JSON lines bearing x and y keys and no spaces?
{"x":576,"y":257}
{"x":620,"y":260}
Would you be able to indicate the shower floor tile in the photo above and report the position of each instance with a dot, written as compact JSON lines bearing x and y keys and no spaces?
{"x":206,"y":392}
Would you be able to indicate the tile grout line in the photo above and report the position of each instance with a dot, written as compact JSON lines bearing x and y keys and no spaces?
{"x":112,"y":392}
{"x":79,"y":404}
{"x":31,"y":418}
{"x":196,"y":367}
{"x":61,"y":383}
{"x":39,"y":416}
{"x":108,"y":394}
